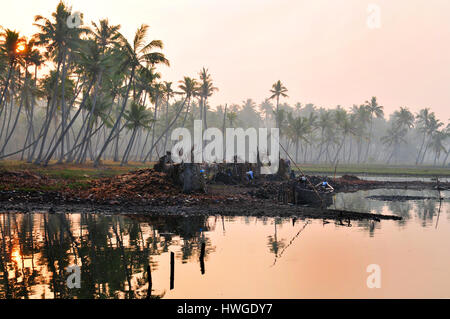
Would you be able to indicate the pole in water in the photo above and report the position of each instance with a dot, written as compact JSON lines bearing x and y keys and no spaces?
{"x":202,"y":258}
{"x":149,"y":276}
{"x":172,"y":270}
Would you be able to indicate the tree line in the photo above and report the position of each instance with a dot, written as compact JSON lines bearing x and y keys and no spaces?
{"x":78,"y":94}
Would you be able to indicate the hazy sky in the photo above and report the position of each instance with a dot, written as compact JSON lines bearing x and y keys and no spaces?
{"x":322,"y":50}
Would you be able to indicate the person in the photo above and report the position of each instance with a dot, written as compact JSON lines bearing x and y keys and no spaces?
{"x":325,"y":186}
{"x":250,"y":175}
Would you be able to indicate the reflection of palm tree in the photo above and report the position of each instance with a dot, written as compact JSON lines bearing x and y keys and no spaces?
{"x":112,"y":251}
{"x":401,"y":209}
{"x":426,"y":210}
{"x":291,"y":241}
{"x":274,"y":244}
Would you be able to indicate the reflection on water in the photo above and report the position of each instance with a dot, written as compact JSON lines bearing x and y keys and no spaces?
{"x":242,"y":257}
{"x":392,"y":178}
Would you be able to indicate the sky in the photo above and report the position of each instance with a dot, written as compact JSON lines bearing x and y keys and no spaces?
{"x":323,"y":51}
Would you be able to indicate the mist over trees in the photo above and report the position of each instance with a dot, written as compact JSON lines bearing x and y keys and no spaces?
{"x":87,"y":94}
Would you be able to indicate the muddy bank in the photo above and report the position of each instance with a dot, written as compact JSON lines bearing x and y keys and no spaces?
{"x":344,"y":184}
{"x":151,"y":192}
{"x":398,"y":198}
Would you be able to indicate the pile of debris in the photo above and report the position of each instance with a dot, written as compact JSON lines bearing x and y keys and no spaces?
{"x":353,"y":183}
{"x":12,"y":180}
{"x":148,"y":187}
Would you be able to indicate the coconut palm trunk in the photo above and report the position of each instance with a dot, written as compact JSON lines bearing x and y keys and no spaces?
{"x":49,"y":115}
{"x":66,"y":129}
{"x":119,"y":118}
{"x":166,"y":130}
{"x":154,"y":124}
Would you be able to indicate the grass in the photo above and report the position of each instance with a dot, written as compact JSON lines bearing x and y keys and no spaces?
{"x":67,"y":175}
{"x":376,"y":169}
{"x":73,"y":171}
{"x":78,"y":176}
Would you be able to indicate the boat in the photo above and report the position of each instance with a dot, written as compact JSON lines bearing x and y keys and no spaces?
{"x":303,"y":196}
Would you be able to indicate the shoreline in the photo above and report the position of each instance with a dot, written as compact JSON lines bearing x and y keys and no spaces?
{"x":145,"y":191}
{"x":263,"y":210}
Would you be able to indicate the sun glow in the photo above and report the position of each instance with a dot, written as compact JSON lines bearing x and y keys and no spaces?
{"x":15,"y":254}
{"x":20,"y":48}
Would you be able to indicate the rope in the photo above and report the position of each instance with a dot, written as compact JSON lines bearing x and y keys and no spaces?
{"x":301,"y":172}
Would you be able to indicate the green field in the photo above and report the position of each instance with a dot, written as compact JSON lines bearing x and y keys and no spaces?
{"x":376,"y":170}
{"x":85,"y":172}
{"x":72,"y":171}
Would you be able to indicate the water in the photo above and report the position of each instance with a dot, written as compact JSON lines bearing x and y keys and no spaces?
{"x":403,"y":178}
{"x":245,"y":257}
{"x":392,"y":178}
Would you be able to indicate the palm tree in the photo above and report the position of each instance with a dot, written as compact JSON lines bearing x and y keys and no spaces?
{"x":266,"y":108}
{"x":31,"y":57}
{"x":361,"y":116}
{"x":374,"y":110}
{"x":134,"y":55}
{"x":312,"y":122}
{"x":156,"y":93}
{"x":447,"y":152}
{"x":437,"y":144}
{"x":298,"y":108}
{"x":205,"y":90}
{"x":394,"y":137}
{"x":404,"y":118}
{"x":18,"y":54}
{"x":281,"y":116}
{"x":59,"y":41}
{"x":345,"y":124}
{"x":327,"y":127}
{"x":169,"y":93}
{"x":278,"y":89}
{"x":431,"y":129}
{"x":105,"y":34}
{"x":12,"y":47}
{"x":92,"y":62}
{"x":190,"y":88}
{"x":422,"y":123}
{"x":298,"y":130}
{"x":137,"y":117}
{"x":249,"y":114}
{"x":231,"y":116}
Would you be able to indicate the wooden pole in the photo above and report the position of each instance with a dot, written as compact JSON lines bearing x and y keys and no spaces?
{"x":172,"y":270}
{"x":149,"y":276}
{"x":202,"y":258}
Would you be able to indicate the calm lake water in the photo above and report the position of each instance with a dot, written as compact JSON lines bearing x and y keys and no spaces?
{"x":245,"y":257}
